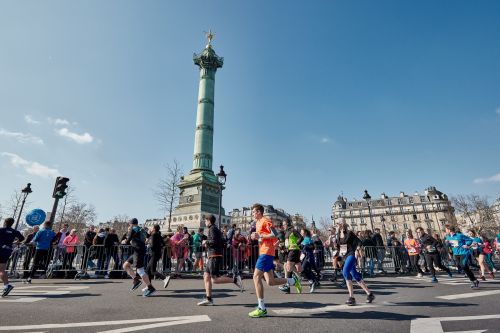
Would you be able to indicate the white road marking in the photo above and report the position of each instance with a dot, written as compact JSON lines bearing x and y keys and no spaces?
{"x":151,"y":326}
{"x":21,"y":300}
{"x":37,"y":292}
{"x":325,"y":309}
{"x":470,"y":295}
{"x":163,"y":320}
{"x":433,"y":325}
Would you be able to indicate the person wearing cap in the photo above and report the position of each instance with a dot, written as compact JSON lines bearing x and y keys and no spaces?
{"x":137,"y":239}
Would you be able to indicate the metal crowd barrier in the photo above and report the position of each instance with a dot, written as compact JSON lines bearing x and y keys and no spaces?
{"x":98,"y":261}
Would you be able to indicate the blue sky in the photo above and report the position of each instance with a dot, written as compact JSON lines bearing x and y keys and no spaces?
{"x":313,"y":99}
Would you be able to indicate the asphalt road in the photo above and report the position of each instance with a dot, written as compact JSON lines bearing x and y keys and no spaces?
{"x":403,"y":304}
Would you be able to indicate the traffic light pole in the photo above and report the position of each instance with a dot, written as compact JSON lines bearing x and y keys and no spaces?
{"x":54,"y":210}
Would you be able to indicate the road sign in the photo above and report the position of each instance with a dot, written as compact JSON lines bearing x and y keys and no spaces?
{"x":35,"y":217}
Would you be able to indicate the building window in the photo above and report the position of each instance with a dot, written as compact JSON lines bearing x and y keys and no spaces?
{"x":438,"y":206}
{"x":422,"y":198}
{"x":350,"y":212}
{"x":414,"y":216}
{"x":424,"y":207}
{"x":401,"y":210}
{"x":388,"y":202}
{"x":410,"y":200}
{"x":405,"y":226}
{"x":394,"y":227}
{"x":426,"y":216}
{"x":400,"y":202}
{"x":429,"y":225}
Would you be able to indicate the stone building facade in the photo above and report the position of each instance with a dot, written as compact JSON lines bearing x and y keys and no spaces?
{"x":243,"y":217}
{"x":430,"y":210}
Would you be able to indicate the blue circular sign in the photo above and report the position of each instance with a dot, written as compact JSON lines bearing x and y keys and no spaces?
{"x":35,"y":217}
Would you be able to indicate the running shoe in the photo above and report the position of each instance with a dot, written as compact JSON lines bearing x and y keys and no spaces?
{"x":137,"y":282}
{"x":7,"y":290}
{"x":238,"y":282}
{"x":312,"y":287}
{"x":434,"y":279}
{"x":150,"y":291}
{"x":166,"y":281}
{"x":205,"y":302}
{"x":419,"y":275}
{"x":278,"y":275}
{"x":258,"y":313}
{"x":144,"y":289}
{"x":298,"y":286}
{"x":474,"y":284}
{"x":482,"y":278}
{"x":285,"y":288}
{"x":450,"y":275}
{"x":351,"y":301}
{"x":370,"y":297}
{"x":492,"y":276}
{"x":28,"y":281}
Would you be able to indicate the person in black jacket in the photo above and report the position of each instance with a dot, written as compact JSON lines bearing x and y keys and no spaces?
{"x":215,"y":244}
{"x":29,"y":251}
{"x":430,"y":248}
{"x":137,"y":239}
{"x":156,"y":246}
{"x":111,"y":243}
{"x":380,"y":250}
{"x":7,"y":238}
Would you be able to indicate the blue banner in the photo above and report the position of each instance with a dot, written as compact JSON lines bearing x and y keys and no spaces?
{"x":35,"y":217}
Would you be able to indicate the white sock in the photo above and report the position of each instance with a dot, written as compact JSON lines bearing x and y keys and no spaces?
{"x":262,"y":306}
{"x":291,"y":281}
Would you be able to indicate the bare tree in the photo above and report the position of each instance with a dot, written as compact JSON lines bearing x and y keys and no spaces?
{"x":119,"y":223}
{"x":79,"y":215}
{"x":68,"y":200}
{"x":476,"y":211}
{"x":324,"y":224}
{"x":14,"y":204}
{"x":167,"y":192}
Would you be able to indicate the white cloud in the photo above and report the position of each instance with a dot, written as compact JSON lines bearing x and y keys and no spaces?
{"x":325,"y":140}
{"x":492,"y":179}
{"x":33,"y":168}
{"x":21,"y":137}
{"x":58,"y":121}
{"x":78,"y":138}
{"x":29,"y":119}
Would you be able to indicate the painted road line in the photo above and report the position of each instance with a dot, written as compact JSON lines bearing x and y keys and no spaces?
{"x":470,"y":295}
{"x":151,"y":326}
{"x":21,"y":300}
{"x":182,"y":320}
{"x":324,"y":309}
{"x":433,"y":325}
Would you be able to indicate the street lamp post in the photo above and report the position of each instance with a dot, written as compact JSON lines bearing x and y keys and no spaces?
{"x":221,"y":179}
{"x":367,"y":197}
{"x":27,"y":190}
{"x":382,"y":219}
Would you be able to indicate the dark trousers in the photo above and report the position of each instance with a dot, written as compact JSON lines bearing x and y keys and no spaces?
{"x":463,"y":262}
{"x":41,"y":261}
{"x":151,"y":266}
{"x":433,"y":259}
{"x":308,"y":269}
{"x":30,"y":252}
{"x":414,"y":264}
{"x":68,"y":260}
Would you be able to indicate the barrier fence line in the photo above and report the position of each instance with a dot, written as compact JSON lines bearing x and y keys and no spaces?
{"x":99,"y":261}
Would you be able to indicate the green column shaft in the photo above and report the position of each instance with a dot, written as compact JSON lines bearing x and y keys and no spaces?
{"x":203,"y":141}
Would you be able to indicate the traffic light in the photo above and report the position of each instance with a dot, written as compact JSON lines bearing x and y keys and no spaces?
{"x":60,"y":187}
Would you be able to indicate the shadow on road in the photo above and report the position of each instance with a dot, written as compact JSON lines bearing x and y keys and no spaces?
{"x":367,"y":315}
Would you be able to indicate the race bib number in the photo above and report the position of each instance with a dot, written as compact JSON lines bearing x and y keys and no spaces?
{"x":453,"y":242}
{"x":412,"y":250}
{"x":343,"y":249}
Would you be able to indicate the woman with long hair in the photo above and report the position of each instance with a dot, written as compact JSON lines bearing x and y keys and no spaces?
{"x":348,"y":246}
